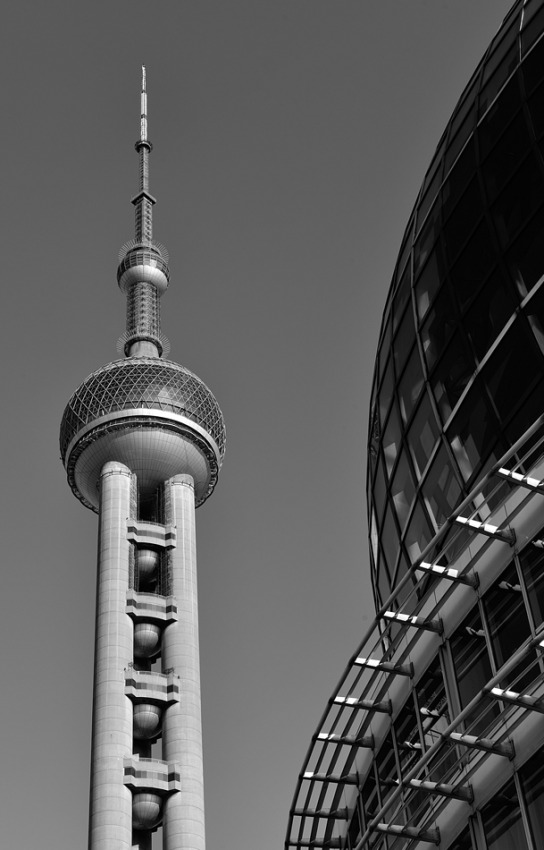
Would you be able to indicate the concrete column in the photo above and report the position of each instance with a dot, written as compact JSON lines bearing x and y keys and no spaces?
{"x":183,"y":821}
{"x":110,"y":826}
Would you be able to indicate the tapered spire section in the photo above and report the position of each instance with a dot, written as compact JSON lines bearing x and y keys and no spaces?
{"x":143,"y":273}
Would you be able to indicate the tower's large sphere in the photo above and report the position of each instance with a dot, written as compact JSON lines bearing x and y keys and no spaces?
{"x":153,"y":415}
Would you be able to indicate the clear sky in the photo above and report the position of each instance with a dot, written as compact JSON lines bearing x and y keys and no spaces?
{"x":291,"y":137}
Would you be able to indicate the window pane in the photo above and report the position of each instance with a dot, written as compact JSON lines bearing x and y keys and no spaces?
{"x":418,"y":535}
{"x":411,"y":385}
{"x":473,"y":432}
{"x":439,"y":326}
{"x":463,"y":220}
{"x":519,"y":200}
{"x":452,"y":375}
{"x":506,"y":156}
{"x":532,"y":566}
{"x":532,"y":781}
{"x":489,"y":313}
{"x":428,"y":283}
{"x":423,"y":435}
{"x":403,"y":490}
{"x":502,"y":821}
{"x":524,"y":259}
{"x":471,"y":661}
{"x":473,"y":266}
{"x":441,"y":489}
{"x":392,"y":440}
{"x":508,"y":624}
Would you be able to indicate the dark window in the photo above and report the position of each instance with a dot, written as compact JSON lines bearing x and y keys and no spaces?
{"x":489,"y":313}
{"x":428,"y":283}
{"x":458,"y":180}
{"x":501,"y":163}
{"x":502,"y":823}
{"x":452,"y":375}
{"x":418,"y":534}
{"x":533,"y":28}
{"x":473,"y":266}
{"x":441,"y":489}
{"x":403,"y":490}
{"x":471,"y":660}
{"x":532,"y":781}
{"x":515,"y":363}
{"x":508,"y":624}
{"x":439,"y":326}
{"x":524,"y":258}
{"x":532,"y":566}
{"x":391,"y":440}
{"x":519,"y":200}
{"x":411,"y":385}
{"x":423,"y":435}
{"x":462,"y":842}
{"x":473,"y":432}
{"x":463,"y":220}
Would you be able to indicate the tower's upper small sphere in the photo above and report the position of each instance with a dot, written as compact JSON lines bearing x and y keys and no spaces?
{"x":153,"y":415}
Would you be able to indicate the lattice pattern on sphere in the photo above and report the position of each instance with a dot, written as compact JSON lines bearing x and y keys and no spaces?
{"x":142,"y":382}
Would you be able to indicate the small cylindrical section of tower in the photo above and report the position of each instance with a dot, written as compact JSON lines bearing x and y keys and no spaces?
{"x":110,"y":823}
{"x":143,"y":318}
{"x":183,"y":816}
{"x":143,"y":214}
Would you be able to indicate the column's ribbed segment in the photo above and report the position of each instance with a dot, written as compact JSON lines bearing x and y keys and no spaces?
{"x":143,"y":319}
{"x":111,"y":801}
{"x":183,"y":821}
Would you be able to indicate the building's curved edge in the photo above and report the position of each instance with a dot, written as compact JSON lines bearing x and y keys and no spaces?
{"x":369,"y":698}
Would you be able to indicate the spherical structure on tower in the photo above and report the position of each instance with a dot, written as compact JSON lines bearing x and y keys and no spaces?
{"x":146,"y":810}
{"x":153,"y":415}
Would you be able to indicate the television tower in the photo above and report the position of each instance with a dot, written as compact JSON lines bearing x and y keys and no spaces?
{"x":142,"y":440}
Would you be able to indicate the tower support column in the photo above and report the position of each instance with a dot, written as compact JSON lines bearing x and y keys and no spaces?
{"x":183,"y":820}
{"x":110,"y":825}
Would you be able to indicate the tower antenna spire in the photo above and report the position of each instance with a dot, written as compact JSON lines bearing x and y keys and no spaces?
{"x":143,"y":270}
{"x":143,"y":108}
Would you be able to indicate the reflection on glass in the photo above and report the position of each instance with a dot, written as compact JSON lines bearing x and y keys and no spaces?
{"x":392,"y":440}
{"x":441,"y":489}
{"x":423,"y":435}
{"x":410,"y":385}
{"x":439,"y":326}
{"x":403,"y":490}
{"x":473,"y":432}
{"x":489,"y":313}
{"x":452,"y":375}
{"x":508,"y":624}
{"x":470,"y":657}
{"x":502,"y":821}
{"x":418,"y":534}
{"x":428,"y":284}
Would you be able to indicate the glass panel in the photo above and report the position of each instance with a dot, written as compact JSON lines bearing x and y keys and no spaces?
{"x":502,"y":823}
{"x":433,"y":705}
{"x":425,"y":241}
{"x":418,"y":535}
{"x":470,"y":657}
{"x":456,"y":183}
{"x":521,"y":197}
{"x":423,"y":435}
{"x":428,"y":283}
{"x":403,"y":490}
{"x":411,"y":385}
{"x":473,"y":266}
{"x":533,"y":66}
{"x":401,"y":297}
{"x":524,"y":259}
{"x":379,"y":490}
{"x":452,"y":375}
{"x":489,"y":313}
{"x":499,"y":116}
{"x":462,"y":842}
{"x":508,"y":60}
{"x":512,"y":147}
{"x":392,"y":440}
{"x":507,"y":622}
{"x":532,"y":31}
{"x":386,"y":391}
{"x":532,"y":782}
{"x":536,"y":111}
{"x":515,"y":363}
{"x":387,"y":768}
{"x":407,"y":735}
{"x":463,"y":220}
{"x":532,"y":567}
{"x":473,"y":432}
{"x":404,"y":340}
{"x":439,"y":326}
{"x":441,"y":489}
{"x":390,"y":540}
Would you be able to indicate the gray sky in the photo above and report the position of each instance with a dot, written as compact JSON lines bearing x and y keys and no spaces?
{"x":290,"y":137}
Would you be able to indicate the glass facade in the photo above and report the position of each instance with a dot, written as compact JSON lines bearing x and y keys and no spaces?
{"x":435,"y":734}
{"x":464,"y":319}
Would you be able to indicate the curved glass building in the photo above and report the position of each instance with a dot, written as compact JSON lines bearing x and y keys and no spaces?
{"x":435,"y":734}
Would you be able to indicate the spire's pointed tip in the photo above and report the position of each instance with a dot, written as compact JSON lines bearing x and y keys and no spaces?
{"x":143,"y":108}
